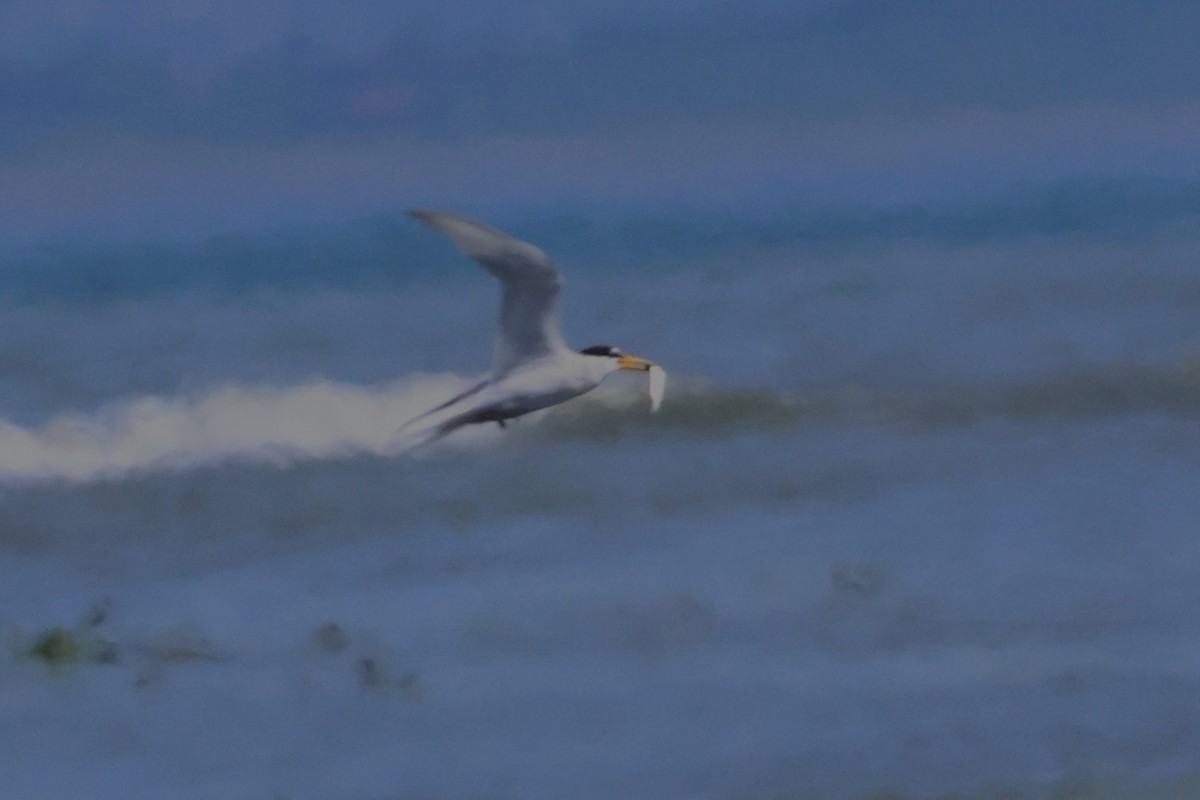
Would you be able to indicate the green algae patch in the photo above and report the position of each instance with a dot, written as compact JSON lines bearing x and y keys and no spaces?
{"x":56,"y":646}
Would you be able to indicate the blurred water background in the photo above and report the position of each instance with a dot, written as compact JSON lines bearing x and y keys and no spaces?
{"x":917,"y":518}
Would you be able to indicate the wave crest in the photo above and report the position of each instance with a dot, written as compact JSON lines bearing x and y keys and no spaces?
{"x":695,"y":404}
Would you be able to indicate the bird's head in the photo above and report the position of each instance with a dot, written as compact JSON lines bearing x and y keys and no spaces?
{"x":610,"y":359}
{"x":617,"y":359}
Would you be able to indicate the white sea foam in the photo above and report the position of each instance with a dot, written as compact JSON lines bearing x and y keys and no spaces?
{"x":314,"y":420}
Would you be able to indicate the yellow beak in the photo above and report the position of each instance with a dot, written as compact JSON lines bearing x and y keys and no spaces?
{"x":634,"y":363}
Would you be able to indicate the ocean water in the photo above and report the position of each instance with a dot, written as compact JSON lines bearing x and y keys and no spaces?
{"x":917,"y":519}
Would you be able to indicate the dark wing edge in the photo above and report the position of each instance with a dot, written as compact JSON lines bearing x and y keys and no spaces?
{"x":463,"y":396}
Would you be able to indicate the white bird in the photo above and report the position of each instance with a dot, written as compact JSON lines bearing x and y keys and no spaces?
{"x":532,"y":367}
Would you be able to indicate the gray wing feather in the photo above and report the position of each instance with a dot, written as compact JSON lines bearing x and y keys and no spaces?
{"x":530,"y":286}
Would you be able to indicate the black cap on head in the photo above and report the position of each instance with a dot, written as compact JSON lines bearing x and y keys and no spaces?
{"x":602,"y":350}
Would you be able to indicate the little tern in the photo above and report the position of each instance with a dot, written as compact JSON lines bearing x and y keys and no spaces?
{"x":532,"y":366}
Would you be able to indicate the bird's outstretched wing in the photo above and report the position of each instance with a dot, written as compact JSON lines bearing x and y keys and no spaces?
{"x":530,"y":285}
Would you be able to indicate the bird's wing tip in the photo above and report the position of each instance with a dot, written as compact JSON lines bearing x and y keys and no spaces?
{"x":447,"y":221}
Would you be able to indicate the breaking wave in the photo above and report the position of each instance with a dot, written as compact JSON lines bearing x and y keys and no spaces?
{"x":325,"y":419}
{"x":315,"y":420}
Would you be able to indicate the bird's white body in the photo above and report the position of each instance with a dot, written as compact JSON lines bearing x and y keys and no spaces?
{"x":547,"y":381}
{"x":532,"y":368}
